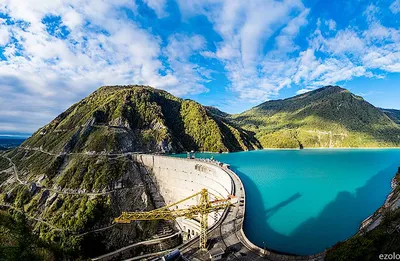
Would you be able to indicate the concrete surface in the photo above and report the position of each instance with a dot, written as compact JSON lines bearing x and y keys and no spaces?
{"x":178,"y":178}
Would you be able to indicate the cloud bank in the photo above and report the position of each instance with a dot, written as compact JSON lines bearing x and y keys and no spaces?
{"x":53,"y":53}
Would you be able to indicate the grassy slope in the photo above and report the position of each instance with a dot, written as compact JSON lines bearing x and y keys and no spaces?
{"x":137,"y":118}
{"x":327,"y":117}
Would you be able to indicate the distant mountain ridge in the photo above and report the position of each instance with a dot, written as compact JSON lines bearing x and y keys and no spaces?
{"x":392,"y":114}
{"x":327,"y":117}
{"x":144,"y":119}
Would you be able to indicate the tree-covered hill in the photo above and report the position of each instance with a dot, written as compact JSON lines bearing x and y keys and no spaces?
{"x":141,"y":119}
{"x":327,"y":117}
{"x":144,"y":119}
{"x":72,"y":177}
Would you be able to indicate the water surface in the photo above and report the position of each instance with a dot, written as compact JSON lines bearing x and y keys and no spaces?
{"x":10,"y":142}
{"x":304,"y":201}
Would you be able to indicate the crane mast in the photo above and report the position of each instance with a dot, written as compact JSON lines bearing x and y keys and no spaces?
{"x":202,"y":209}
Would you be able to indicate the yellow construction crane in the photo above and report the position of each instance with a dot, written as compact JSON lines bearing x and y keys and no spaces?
{"x":203,"y":208}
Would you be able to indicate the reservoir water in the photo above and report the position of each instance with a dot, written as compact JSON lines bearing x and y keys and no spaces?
{"x":304,"y":201}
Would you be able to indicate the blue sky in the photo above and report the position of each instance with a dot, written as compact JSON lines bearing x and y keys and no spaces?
{"x":231,"y":54}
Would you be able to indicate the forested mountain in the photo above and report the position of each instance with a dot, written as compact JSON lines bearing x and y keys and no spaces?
{"x":74,"y":175}
{"x":327,"y":117}
{"x":141,"y":119}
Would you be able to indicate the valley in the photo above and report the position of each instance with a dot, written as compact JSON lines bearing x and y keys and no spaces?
{"x":73,"y":176}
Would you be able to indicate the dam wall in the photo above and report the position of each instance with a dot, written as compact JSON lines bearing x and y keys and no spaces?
{"x":179,"y":178}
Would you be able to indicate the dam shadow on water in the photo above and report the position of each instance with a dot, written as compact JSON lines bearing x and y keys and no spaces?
{"x":337,"y":221}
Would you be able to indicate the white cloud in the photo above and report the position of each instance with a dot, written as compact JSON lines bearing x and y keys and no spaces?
{"x":371,"y":12}
{"x":349,"y":53}
{"x":4,"y":35}
{"x":345,"y":42}
{"x":331,"y":24}
{"x":179,"y":51}
{"x":244,"y":27}
{"x":395,"y":6}
{"x":305,"y":90}
{"x":72,"y":19}
{"x":306,"y":66}
{"x":46,"y":73}
{"x":158,"y":6}
{"x":285,"y":40}
{"x":320,"y":72}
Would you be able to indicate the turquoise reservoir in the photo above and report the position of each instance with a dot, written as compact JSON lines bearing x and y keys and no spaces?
{"x":304,"y":201}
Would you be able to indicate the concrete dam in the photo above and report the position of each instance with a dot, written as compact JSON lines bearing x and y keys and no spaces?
{"x":178,"y":178}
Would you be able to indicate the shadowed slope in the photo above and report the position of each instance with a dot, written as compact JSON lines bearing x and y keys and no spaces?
{"x":392,"y":114}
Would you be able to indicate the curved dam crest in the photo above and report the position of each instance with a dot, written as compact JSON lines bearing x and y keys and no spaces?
{"x":303,"y":202}
{"x":177,"y":179}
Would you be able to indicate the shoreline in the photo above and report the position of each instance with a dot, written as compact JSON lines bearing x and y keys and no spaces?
{"x":297,"y":149}
{"x":336,"y":148}
{"x":390,"y":200}
{"x":307,"y":148}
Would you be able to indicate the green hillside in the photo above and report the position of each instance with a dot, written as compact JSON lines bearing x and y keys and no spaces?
{"x":327,"y":117}
{"x":18,"y":242}
{"x":142,"y":119}
{"x":392,"y":114}
{"x":69,"y":200}
{"x":72,"y":177}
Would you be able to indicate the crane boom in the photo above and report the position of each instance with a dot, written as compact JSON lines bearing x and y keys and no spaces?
{"x":203,"y":208}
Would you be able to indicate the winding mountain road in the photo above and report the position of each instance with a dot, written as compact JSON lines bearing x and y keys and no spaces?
{"x":58,"y":191}
{"x":25,"y":183}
